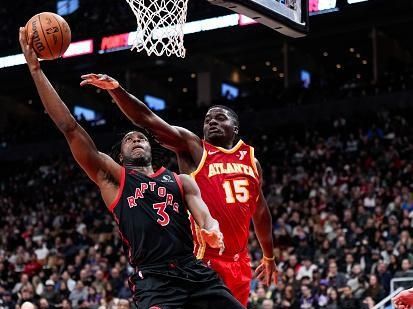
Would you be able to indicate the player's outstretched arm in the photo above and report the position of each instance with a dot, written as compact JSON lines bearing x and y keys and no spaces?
{"x":263,"y":229}
{"x":174,"y":138}
{"x":209,"y":226}
{"x":96,"y":164}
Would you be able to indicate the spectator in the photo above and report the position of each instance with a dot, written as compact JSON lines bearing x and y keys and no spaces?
{"x":348,"y":301}
{"x":288,"y":299}
{"x":356,"y":281}
{"x":307,"y":299}
{"x":335,"y":279}
{"x":306,"y":269}
{"x":333,"y":299}
{"x":24,"y":282}
{"x":43,"y":303}
{"x":406,"y":269}
{"x":375,"y":290}
{"x":78,"y":294}
{"x":7,"y":301}
{"x":50,"y":293}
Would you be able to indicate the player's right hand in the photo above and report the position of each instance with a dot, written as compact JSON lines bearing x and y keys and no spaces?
{"x":101,"y":81}
{"x":404,"y":300}
{"x":214,"y":239}
{"x":266,"y":270}
{"x":26,"y":44}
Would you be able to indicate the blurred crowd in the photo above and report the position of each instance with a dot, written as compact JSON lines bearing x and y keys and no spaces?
{"x":342,"y":213}
{"x":340,"y":196}
{"x":58,"y":245}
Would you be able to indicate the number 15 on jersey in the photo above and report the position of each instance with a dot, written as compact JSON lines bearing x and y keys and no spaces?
{"x":236,"y":190}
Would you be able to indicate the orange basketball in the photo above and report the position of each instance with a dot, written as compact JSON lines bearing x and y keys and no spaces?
{"x":51,"y":35}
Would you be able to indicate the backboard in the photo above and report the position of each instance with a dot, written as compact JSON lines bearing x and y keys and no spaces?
{"x":289,"y":17}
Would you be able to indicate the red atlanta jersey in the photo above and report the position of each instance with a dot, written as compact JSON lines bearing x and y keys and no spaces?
{"x":230,"y":187}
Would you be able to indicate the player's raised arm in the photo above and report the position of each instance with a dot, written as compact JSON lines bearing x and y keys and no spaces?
{"x":209,"y":226}
{"x":263,"y":229}
{"x":175,"y":138}
{"x":96,"y":164}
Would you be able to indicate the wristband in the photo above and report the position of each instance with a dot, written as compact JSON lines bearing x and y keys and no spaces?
{"x":267,"y":259}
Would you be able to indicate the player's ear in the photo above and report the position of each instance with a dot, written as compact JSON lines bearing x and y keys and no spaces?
{"x":120,"y":158}
{"x":236,"y":130}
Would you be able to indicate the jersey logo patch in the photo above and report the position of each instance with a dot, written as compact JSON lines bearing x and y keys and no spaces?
{"x":242,"y":154}
{"x":212,"y":152}
{"x":166,"y":178}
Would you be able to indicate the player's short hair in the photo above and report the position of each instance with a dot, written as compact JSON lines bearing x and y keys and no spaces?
{"x":231,"y":112}
{"x":157,"y":150}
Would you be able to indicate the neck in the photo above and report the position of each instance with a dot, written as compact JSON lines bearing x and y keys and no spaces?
{"x":146,"y":170}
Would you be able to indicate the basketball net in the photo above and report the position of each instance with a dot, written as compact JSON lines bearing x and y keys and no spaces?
{"x":160,"y":26}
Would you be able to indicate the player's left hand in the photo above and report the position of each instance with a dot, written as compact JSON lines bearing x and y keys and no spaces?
{"x":101,"y":81}
{"x":214,"y":239}
{"x":266,"y":270}
{"x":404,"y":300}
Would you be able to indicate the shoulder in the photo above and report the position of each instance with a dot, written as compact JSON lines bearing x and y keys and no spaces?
{"x":185,"y":178}
{"x":188,"y":183}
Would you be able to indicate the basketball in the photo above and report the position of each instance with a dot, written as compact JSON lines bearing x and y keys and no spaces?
{"x":51,"y":35}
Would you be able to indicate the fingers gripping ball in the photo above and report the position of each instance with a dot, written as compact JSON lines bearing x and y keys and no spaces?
{"x":51,"y":35}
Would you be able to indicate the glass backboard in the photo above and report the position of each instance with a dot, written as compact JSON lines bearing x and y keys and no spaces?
{"x":289,"y":17}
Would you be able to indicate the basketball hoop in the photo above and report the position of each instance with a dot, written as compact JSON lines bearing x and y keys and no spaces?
{"x":159,"y":26}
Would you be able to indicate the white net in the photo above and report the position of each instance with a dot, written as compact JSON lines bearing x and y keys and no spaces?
{"x":160,"y":26}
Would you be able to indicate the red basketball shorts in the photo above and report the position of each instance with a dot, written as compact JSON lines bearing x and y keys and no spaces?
{"x":235,"y":271}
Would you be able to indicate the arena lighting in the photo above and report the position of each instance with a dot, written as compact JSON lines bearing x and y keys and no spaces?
{"x":12,"y":60}
{"x":118,"y":41}
{"x":317,"y":7}
{"x":79,"y":48}
{"x":245,"y":20}
{"x":355,"y":1}
{"x":211,"y":23}
{"x":75,"y":49}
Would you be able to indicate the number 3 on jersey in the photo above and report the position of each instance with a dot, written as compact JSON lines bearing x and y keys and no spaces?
{"x":236,"y":190}
{"x":160,"y":207}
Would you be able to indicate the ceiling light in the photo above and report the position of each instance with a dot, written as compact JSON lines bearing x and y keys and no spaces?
{"x":281,"y":75}
{"x":274,"y":69}
{"x":257,"y":78}
{"x":193,"y":75}
{"x":170,"y":79}
{"x":364,"y":61}
{"x":267,"y":63}
{"x":325,"y":54}
{"x":338,"y":66}
{"x":243,"y":67}
{"x":184,"y":90}
{"x":351,"y":50}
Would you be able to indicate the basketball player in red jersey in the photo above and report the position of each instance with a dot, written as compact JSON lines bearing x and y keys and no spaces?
{"x":228,"y":175}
